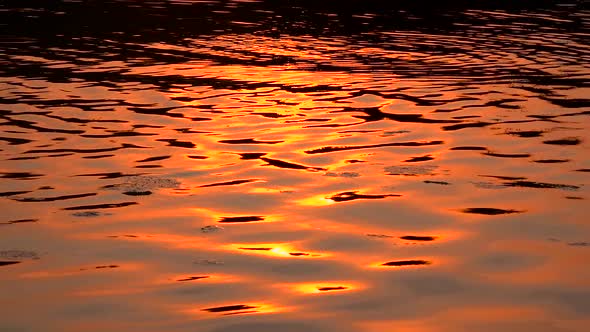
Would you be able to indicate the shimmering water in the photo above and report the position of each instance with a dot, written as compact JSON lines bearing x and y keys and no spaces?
{"x":289,"y":166}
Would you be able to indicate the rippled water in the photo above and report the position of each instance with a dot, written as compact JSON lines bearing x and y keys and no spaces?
{"x":232,"y":166}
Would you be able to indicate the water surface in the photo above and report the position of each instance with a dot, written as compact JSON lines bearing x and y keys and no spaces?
{"x":293,"y":166}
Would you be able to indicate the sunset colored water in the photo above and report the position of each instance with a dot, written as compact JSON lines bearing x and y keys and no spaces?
{"x":294,"y":166}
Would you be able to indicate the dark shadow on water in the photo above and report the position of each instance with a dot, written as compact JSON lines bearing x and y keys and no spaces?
{"x":177,"y":143}
{"x":418,"y":238}
{"x":251,"y":155}
{"x":5,"y":263}
{"x":148,"y":166}
{"x":19,"y":221}
{"x":137,"y":193}
{"x":490,"y":211}
{"x":243,"y":219}
{"x":328,"y":149}
{"x":100,"y":206}
{"x":298,"y":254}
{"x":443,"y":183}
{"x":20,"y":176}
{"x":52,"y":199}
{"x":551,"y":161}
{"x":328,"y":289}
{"x":153,"y":159}
{"x":419,"y":159}
{"x":526,"y":133}
{"x":411,"y":262}
{"x":352,"y":195}
{"x":248,"y":141}
{"x":123,"y":146}
{"x":468,"y":148}
{"x":564,"y":141}
{"x":541,"y":185}
{"x":506,"y":155}
{"x":503,"y":177}
{"x":12,"y":193}
{"x":110,"y":175}
{"x":99,"y":156}
{"x":290,"y":165}
{"x":193,"y":278}
{"x":237,"y":307}
{"x":106,"y":266}
{"x":228,"y":183}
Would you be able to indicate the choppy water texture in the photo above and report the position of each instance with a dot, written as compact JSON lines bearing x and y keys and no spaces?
{"x":293,"y":166}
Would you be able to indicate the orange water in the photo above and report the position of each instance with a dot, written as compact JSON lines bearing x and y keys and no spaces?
{"x":252,"y":166}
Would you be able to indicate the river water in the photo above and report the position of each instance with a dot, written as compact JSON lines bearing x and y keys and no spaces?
{"x":231,"y":166}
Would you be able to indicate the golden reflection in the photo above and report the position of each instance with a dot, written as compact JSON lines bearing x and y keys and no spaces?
{"x":280,"y":250}
{"x":317,"y":200}
{"x":324,"y":287}
{"x":285,"y":190}
{"x":342,"y":196}
{"x":226,"y":309}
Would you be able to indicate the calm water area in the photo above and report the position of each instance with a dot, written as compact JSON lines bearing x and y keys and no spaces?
{"x":294,"y":166}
